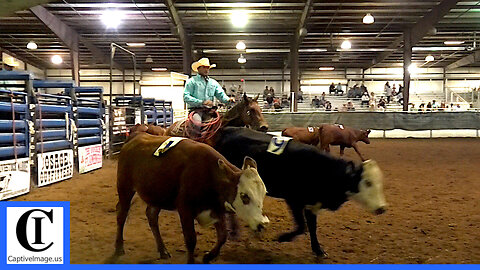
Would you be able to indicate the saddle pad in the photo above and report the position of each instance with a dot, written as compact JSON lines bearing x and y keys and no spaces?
{"x":278,"y":144}
{"x":169,"y":143}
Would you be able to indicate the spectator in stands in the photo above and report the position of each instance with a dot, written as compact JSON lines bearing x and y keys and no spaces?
{"x":272,"y":92}
{"x":265,"y":92}
{"x":233,"y":90}
{"x":363,"y":88}
{"x":372,"y":101}
{"x":394,"y":90}
{"x":388,"y":91}
{"x":323,"y":99}
{"x":285,"y":102}
{"x":300,"y":95}
{"x":339,"y":89}
{"x":365,"y":99}
{"x":331,"y":89}
{"x":382,"y":103}
{"x":277,"y":104}
{"x":412,"y":107}
{"x":400,"y":97}
{"x":434,"y":105}
{"x":270,"y":100}
{"x":350,"y":106}
{"x":344,"y":108}
{"x":328,"y":106}
{"x":429,"y":106}
{"x":421,"y":108}
{"x":316,"y":102}
{"x":442,"y":106}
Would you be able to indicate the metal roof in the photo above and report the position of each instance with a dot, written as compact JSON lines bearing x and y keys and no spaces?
{"x":268,"y":34}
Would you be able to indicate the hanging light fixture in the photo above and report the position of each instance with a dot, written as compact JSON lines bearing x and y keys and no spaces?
{"x":326,"y":68}
{"x":429,"y":58}
{"x":111,"y":18}
{"x":56,"y":59}
{"x":368,"y":19}
{"x":239,"y":18}
{"x":242,"y":59}
{"x":32,"y":45}
{"x":241,"y":45}
{"x":346,"y":45}
{"x":412,"y":68}
{"x":149,"y":59}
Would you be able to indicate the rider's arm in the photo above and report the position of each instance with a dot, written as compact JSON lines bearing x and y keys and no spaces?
{"x":220,"y":94}
{"x":188,"y":97}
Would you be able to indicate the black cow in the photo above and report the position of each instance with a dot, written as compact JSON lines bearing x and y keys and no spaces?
{"x":295,"y":176}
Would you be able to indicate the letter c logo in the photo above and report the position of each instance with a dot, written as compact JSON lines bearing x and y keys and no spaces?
{"x":22,"y":230}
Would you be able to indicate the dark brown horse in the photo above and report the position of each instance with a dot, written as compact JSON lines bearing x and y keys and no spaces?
{"x":246,"y":113}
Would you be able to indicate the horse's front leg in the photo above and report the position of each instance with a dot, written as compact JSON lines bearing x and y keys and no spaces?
{"x":221,"y":228}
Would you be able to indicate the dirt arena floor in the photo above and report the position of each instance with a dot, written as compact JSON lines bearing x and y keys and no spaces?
{"x":432,"y":187}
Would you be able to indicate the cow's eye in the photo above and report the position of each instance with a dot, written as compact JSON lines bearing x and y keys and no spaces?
{"x":245,"y":198}
{"x":248,"y":112}
{"x":368,"y":183}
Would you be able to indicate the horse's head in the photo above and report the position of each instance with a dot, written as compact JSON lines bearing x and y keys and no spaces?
{"x":247,"y":113}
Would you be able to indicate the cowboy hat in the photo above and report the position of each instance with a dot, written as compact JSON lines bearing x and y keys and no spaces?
{"x":202,"y":62}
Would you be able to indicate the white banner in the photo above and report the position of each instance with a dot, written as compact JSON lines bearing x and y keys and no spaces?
{"x":14,"y":178}
{"x":89,"y":158}
{"x":54,"y":166}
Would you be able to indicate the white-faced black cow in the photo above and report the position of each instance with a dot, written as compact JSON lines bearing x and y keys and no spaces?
{"x":305,"y":177}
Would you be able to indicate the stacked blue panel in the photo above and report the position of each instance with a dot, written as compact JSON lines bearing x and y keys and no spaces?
{"x":89,"y":114}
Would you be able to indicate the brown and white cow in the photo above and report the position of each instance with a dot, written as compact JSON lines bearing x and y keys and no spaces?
{"x":192,"y":178}
{"x":327,"y":135}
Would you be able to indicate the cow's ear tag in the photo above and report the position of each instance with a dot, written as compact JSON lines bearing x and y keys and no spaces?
{"x":229,"y":207}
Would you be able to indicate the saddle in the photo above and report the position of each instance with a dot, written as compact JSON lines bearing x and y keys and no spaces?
{"x":209,"y":126}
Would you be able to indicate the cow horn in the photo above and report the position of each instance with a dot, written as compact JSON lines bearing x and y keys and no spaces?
{"x":229,"y":207}
{"x":256,"y":98}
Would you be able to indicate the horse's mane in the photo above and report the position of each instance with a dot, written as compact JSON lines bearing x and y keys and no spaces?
{"x":231,"y":117}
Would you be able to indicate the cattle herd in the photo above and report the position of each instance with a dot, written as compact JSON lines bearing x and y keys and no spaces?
{"x":230,"y":175}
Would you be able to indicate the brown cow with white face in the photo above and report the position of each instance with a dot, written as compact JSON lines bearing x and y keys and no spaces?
{"x":192,"y":178}
{"x":327,"y":135}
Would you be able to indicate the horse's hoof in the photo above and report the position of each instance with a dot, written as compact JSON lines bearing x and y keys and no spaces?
{"x":208,"y":258}
{"x":286,"y":237}
{"x":165,"y":255}
{"x":321,"y":254}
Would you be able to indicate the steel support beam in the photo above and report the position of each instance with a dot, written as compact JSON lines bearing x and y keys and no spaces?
{"x":68,"y":35}
{"x":294,"y":72}
{"x":177,"y":22}
{"x":467,"y":60}
{"x":9,"y":7}
{"x":75,"y":65}
{"x":419,"y":30}
{"x":187,"y":56}
{"x":407,"y":60}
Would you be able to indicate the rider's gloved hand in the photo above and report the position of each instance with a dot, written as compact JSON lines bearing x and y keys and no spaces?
{"x":208,"y":103}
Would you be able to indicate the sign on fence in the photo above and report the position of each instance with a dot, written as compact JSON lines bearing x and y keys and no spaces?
{"x":14,"y":178}
{"x":119,"y":121}
{"x":89,"y":158}
{"x":54,"y":166}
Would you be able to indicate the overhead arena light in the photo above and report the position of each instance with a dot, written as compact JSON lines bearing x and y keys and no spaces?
{"x":56,"y":59}
{"x":429,"y":58}
{"x":242,"y":59}
{"x":239,"y":18}
{"x":135,"y":44}
{"x":159,"y":69}
{"x":412,"y":68}
{"x":241,"y":45}
{"x":453,"y":42}
{"x":32,"y":45}
{"x":346,"y":45}
{"x":112,"y":18}
{"x":368,"y":19}
{"x":326,"y":68}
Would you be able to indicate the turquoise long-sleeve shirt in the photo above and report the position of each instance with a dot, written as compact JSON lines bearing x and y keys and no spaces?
{"x":198,"y":90}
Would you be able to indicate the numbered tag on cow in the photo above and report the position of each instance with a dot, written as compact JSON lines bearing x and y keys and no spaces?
{"x":169,"y":143}
{"x":278,"y":144}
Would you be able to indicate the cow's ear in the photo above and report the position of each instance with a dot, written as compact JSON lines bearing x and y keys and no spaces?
{"x":350,"y":169}
{"x":249,"y":162}
{"x":256,"y":98}
{"x":245,"y":98}
{"x":368,"y":131}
